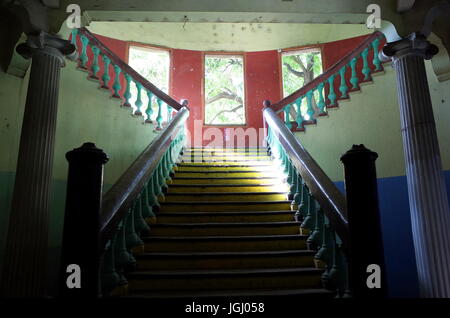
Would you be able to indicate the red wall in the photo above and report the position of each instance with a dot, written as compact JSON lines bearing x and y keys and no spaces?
{"x":262,"y":80}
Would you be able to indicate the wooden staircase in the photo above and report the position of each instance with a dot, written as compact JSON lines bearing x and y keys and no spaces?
{"x":225,"y":227}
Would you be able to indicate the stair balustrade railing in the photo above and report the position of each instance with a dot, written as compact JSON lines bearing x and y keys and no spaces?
{"x":315,"y":98}
{"x":101,"y":230}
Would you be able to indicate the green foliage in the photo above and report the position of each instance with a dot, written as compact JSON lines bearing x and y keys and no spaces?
{"x":224,"y":90}
{"x":153,"y":65}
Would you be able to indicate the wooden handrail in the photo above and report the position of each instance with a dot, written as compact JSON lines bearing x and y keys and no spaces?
{"x":277,"y":107}
{"x":331,"y":200}
{"x":129,"y":70}
{"x":121,"y":195}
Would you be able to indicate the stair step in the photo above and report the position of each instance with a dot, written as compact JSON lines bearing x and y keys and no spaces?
{"x":232,"y":187}
{"x":224,"y":260}
{"x":224,"y":243}
{"x":224,"y":153}
{"x":223,"y":206}
{"x":246,"y":216}
{"x":228,"y":196}
{"x":228,"y":174}
{"x":258,"y":163}
{"x":307,"y":277}
{"x":228,"y":158}
{"x":232,"y":180}
{"x":219,"y":168}
{"x":199,"y":294}
{"x":220,"y":229}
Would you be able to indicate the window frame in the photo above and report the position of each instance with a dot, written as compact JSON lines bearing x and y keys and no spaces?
{"x":153,"y":47}
{"x":297,"y":48}
{"x":203,"y":97}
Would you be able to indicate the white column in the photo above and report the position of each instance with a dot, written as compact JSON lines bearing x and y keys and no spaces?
{"x":430,"y":215}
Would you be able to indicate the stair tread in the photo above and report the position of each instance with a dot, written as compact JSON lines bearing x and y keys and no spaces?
{"x":225,"y":202}
{"x":227,"y":224}
{"x":224,"y":272}
{"x":224,"y":254}
{"x":240,"y":178}
{"x":222,"y":193}
{"x":232,"y":293}
{"x":200,"y":185}
{"x":227,"y":237}
{"x":234,"y":213}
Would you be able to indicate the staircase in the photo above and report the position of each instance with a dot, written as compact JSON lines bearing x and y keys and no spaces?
{"x":225,"y":227}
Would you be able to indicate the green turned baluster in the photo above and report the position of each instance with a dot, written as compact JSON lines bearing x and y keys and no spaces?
{"x":140,"y":225}
{"x":298,"y":189}
{"x":147,"y":208}
{"x":327,"y":276}
{"x":299,"y":117}
{"x":152,"y":196}
{"x":124,"y":260}
{"x":321,"y":103}
{"x":105,"y":77}
{"x":127,"y":94}
{"x":169,"y":113}
{"x":109,"y":277}
{"x":149,"y":110}
{"x":94,"y":67}
{"x":156,"y":187}
{"x":310,"y":218}
{"x":83,"y":56}
{"x":159,"y":118}
{"x":366,"y":68}
{"x":323,"y":256}
{"x":315,"y":239}
{"x":161,"y":179}
{"x":331,"y":94}
{"x":284,"y":162}
{"x":343,"y":88}
{"x":116,"y":86}
{"x":354,"y":79}
{"x":293,"y":183}
{"x":310,"y":109}
{"x":73,"y":39}
{"x":131,"y":238}
{"x":166,"y":167}
{"x":336,"y":275}
{"x":138,"y":103}
{"x":376,"y":61}
{"x":287,"y":119}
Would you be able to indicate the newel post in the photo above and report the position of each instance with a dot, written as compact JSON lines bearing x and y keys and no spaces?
{"x":367,"y":275}
{"x":80,"y":252}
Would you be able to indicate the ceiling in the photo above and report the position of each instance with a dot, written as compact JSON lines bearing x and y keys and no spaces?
{"x":227,"y":36}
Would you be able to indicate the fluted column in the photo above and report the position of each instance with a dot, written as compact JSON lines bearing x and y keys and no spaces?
{"x":430,"y":215}
{"x":24,"y":271}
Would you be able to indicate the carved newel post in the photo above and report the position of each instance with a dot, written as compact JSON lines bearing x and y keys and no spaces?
{"x":24,"y":271}
{"x":430,"y":215}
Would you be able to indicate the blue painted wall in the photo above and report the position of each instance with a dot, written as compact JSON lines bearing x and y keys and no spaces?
{"x":397,"y":235}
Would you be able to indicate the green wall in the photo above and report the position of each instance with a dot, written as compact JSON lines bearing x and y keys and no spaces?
{"x":85,"y":113}
{"x":372,"y":118}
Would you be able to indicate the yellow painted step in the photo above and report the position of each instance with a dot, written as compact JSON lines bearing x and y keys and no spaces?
{"x":224,"y":279}
{"x":249,"y":163}
{"x":183,"y":168}
{"x":224,"y":158}
{"x":227,"y":174}
{"x":225,"y":153}
{"x":217,"y":196}
{"x":224,"y":244}
{"x":202,"y":181}
{"x":227,"y":188}
{"x":199,"y":217}
{"x":227,"y":260}
{"x":225,"y":206}
{"x":229,"y":229}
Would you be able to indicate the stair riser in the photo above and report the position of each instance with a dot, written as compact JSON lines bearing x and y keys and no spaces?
{"x":176,"y":181}
{"x":250,"y":188}
{"x":187,"y":159}
{"x":168,"y":207}
{"x":228,"y":163}
{"x":223,"y":283}
{"x":222,"y":231}
{"x":226,"y":246}
{"x":224,"y":168}
{"x":226,"y":175}
{"x":225,"y":153}
{"x":224,"y":263}
{"x":228,"y":219}
{"x":221,"y":197}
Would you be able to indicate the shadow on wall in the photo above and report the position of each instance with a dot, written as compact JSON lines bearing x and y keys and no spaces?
{"x":397,"y":235}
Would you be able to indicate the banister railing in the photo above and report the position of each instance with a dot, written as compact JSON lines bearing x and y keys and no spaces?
{"x":323,"y":91}
{"x":121,"y":72}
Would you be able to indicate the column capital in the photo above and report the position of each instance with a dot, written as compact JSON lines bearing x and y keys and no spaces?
{"x":48,"y":43}
{"x":413,"y":44}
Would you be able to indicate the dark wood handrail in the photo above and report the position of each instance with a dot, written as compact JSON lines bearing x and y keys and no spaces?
{"x":121,"y":195}
{"x":129,"y":70}
{"x":331,"y":200}
{"x":277,"y":107}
